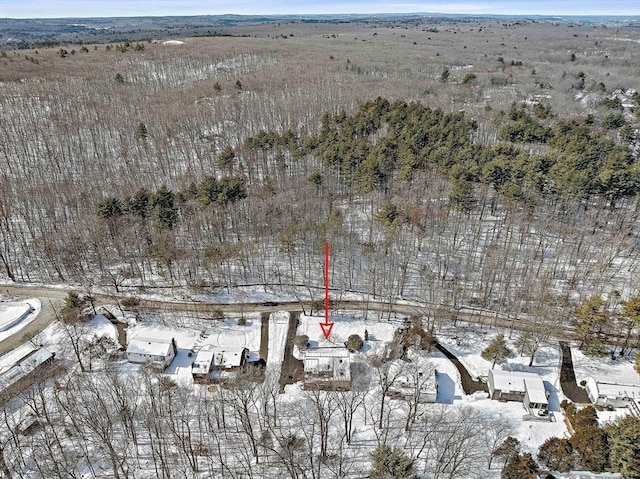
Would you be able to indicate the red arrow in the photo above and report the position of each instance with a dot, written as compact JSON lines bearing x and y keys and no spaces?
{"x":327,"y":326}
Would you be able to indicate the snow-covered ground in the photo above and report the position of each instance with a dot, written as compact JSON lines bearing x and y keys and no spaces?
{"x":278,"y":327}
{"x":466,"y":342}
{"x":15,"y":315}
{"x":346,"y":324}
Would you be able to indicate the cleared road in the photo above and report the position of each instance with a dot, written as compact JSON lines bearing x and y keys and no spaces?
{"x":443,"y":313}
{"x":47,"y":315}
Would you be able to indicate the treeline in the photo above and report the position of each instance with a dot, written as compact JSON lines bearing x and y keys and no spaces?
{"x":613,"y":447}
{"x":383,"y":142}
{"x":162,"y":206}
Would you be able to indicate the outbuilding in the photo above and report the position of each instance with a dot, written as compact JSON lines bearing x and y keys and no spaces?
{"x":615,"y":395}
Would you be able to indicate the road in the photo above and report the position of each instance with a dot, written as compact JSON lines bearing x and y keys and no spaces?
{"x":50,"y":298}
{"x":56,"y":296}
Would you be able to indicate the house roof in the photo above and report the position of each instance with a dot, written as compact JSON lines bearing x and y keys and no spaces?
{"x":336,"y":360}
{"x":326,"y":352}
{"x":535,"y":389}
{"x":16,"y":366}
{"x":149,"y":346}
{"x":203,"y":361}
{"x":12,"y":312}
{"x":518,"y":381}
{"x":228,"y":357}
{"x":615,"y":390}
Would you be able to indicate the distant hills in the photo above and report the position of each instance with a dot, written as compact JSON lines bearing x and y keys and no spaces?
{"x":32,"y":33}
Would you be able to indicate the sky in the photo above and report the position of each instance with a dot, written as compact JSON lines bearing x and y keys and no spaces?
{"x":129,"y":8}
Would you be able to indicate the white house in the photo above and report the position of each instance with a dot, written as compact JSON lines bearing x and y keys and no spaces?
{"x":157,"y":352}
{"x":519,"y":386}
{"x":327,"y":368}
{"x":229,"y":359}
{"x":612,"y":394}
{"x":20,"y":363}
{"x":406,"y":381}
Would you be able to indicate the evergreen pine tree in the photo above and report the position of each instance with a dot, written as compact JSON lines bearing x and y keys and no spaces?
{"x":624,"y":442}
{"x":391,"y":463}
{"x":520,"y":467}
{"x":497,"y":351}
{"x":141,"y":131}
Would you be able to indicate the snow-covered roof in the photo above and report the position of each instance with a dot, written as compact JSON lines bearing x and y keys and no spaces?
{"x":327,"y":352}
{"x":203,"y":361}
{"x":12,"y":312}
{"x":21,"y":362}
{"x":228,"y":358}
{"x":327,"y":364}
{"x":149,"y":346}
{"x":536,"y":390}
{"x":616,"y":390}
{"x":518,"y":381}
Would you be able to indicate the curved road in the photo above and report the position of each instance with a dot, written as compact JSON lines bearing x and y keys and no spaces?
{"x":47,"y":297}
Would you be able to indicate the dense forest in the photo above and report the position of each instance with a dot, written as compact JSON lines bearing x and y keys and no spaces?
{"x":226,"y":161}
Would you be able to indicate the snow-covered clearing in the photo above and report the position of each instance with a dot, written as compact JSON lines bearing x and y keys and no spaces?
{"x":346,"y":324}
{"x":15,"y":315}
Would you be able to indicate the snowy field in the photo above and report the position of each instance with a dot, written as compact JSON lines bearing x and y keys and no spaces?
{"x":346,"y":324}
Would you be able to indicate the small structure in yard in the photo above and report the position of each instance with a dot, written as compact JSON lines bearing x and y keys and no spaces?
{"x":156,"y":352}
{"x":520,"y":386}
{"x":18,"y":367}
{"x":613,"y":394}
{"x":327,"y":368}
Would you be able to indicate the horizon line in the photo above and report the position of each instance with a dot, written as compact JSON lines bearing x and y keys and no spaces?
{"x":354,"y":14}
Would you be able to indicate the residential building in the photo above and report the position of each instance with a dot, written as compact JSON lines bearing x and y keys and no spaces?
{"x":18,"y":367}
{"x":157,"y":352}
{"x":327,"y":368}
{"x":519,"y":386}
{"x":615,"y":395}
